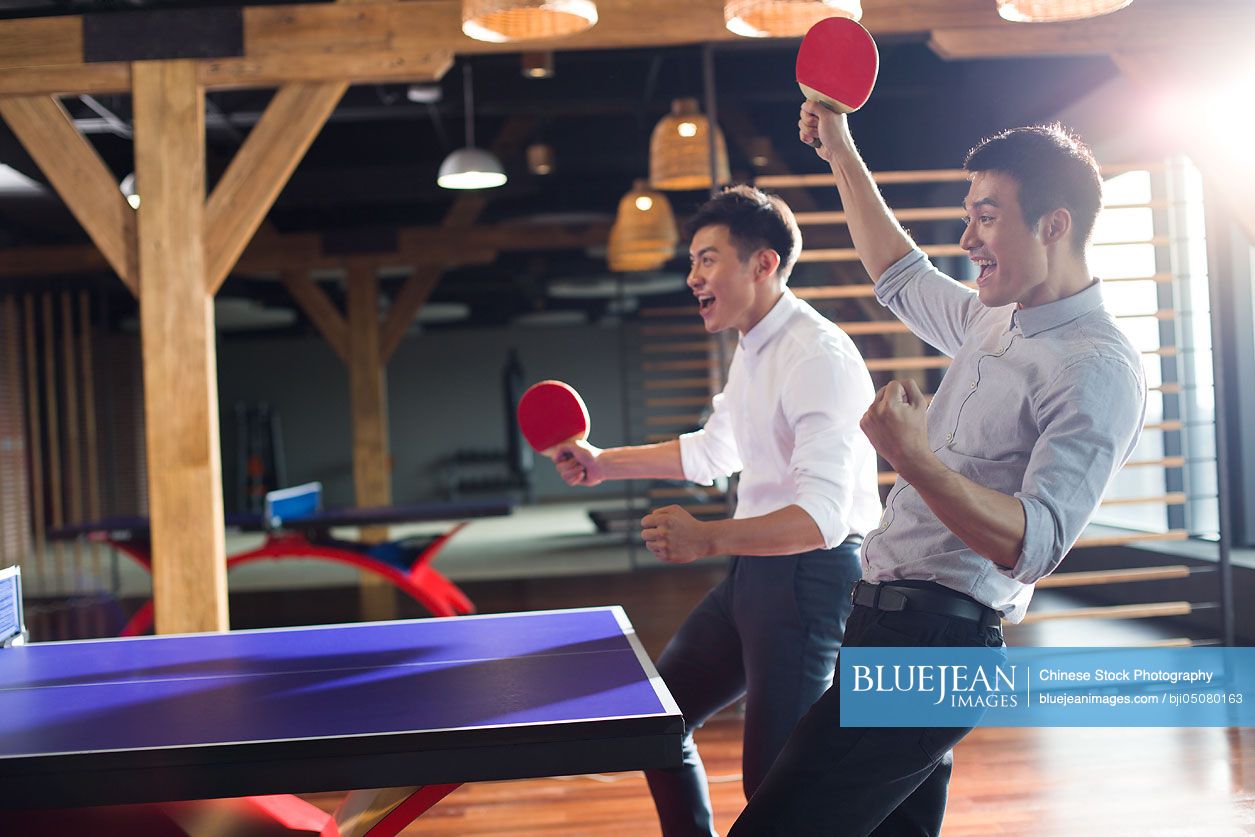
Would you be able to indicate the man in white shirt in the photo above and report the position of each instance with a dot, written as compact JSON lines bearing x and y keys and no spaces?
{"x":788,"y":421}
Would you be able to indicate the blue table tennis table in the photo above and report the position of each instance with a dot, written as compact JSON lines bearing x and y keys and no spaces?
{"x":422,"y":705}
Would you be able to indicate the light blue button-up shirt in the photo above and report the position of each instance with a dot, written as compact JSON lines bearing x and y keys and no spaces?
{"x":1044,"y":404}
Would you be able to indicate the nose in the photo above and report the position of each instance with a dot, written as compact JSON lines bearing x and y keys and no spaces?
{"x":969,"y":240}
{"x":693,"y":280}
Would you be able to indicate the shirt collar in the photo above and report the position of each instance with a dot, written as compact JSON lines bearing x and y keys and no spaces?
{"x":1041,"y":318}
{"x":771,"y":323}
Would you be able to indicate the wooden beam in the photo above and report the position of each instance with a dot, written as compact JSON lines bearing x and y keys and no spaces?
{"x":409,"y":301}
{"x":392,"y":41}
{"x":1145,"y":25}
{"x":236,"y":73}
{"x":368,"y":392}
{"x":52,"y":417}
{"x":180,"y":367}
{"x":321,"y":311}
{"x":419,"y":245}
{"x":66,"y":80}
{"x":360,"y":68}
{"x":372,"y":472}
{"x":35,"y":426}
{"x":260,"y":170}
{"x":41,"y":42}
{"x":78,"y":174}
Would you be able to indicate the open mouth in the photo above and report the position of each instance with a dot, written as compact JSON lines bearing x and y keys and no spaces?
{"x":705,"y":303}
{"x":987,"y":267}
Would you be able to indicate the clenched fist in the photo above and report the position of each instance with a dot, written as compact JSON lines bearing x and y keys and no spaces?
{"x":675,"y":536}
{"x":896,"y":423}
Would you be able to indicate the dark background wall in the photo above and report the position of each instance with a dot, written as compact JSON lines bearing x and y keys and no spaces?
{"x":445,"y":394}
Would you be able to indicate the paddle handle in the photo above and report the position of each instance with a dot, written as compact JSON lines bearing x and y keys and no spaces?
{"x":815,"y":143}
{"x":549,"y":452}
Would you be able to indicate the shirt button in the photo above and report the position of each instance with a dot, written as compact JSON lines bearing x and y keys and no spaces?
{"x":949,"y":437}
{"x":973,"y":384}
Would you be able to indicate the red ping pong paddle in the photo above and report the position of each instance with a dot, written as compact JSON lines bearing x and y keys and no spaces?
{"x":551,"y":413}
{"x":837,"y":65}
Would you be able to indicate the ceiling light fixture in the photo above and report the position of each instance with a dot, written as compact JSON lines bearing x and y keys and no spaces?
{"x":540,"y":158}
{"x":784,"y":18}
{"x":501,"y":21}
{"x":470,"y":167}
{"x":127,"y":187}
{"x":537,"y":65}
{"x":679,"y":150}
{"x":1055,"y":11}
{"x":644,"y":234}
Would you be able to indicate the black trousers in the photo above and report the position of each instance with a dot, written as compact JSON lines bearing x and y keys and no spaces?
{"x":849,"y":781}
{"x":769,"y":631}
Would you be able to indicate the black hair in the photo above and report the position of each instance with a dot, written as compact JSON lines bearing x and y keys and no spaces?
{"x":1053,"y":169}
{"x":755,"y":220}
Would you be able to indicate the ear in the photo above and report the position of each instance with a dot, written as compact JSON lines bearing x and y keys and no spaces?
{"x":1055,"y":226}
{"x":766,"y":262}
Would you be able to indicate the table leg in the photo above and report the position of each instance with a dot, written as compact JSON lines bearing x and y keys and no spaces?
{"x":385,"y":812}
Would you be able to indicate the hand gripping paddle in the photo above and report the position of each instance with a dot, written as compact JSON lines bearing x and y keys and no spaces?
{"x":551,"y":413}
{"x":837,"y":65}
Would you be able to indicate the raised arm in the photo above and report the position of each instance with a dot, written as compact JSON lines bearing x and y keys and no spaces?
{"x":933,"y":305}
{"x":878,"y":237}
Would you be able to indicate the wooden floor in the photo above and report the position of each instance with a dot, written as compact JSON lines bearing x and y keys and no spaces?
{"x":1045,"y":782}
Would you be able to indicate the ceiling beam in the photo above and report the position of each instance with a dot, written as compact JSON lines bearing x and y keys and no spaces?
{"x":358,"y":42}
{"x":419,"y":245}
{"x":260,"y":169}
{"x":1143,"y":25}
{"x":319,"y":308}
{"x":76,"y":171}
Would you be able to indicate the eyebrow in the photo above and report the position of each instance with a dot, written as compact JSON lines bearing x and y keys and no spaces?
{"x":981,"y":202}
{"x":709,"y":249}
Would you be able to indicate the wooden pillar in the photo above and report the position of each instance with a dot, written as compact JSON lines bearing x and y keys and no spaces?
{"x":180,"y":366}
{"x":372,"y":471}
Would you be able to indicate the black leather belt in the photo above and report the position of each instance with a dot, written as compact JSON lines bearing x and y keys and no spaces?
{"x":934,"y":598}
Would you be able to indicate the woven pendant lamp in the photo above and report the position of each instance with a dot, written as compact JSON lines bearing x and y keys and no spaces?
{"x":784,"y":18}
{"x":1054,"y":11}
{"x":501,"y":21}
{"x":679,"y":150}
{"x":644,"y":234}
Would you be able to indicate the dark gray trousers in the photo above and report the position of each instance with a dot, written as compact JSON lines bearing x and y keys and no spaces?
{"x":840,"y":781}
{"x":770,"y":632}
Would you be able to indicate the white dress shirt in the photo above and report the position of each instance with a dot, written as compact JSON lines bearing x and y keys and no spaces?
{"x":788,"y":421}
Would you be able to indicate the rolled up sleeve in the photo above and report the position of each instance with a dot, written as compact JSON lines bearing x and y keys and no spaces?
{"x":934,"y":306}
{"x":823,"y":401}
{"x":1091,"y":418}
{"x":710,"y":452}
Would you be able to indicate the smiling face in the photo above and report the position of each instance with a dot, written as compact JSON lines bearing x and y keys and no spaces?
{"x":1011,"y":255}
{"x":725,"y":287}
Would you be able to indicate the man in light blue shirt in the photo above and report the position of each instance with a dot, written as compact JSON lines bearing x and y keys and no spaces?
{"x":1042,"y":404}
